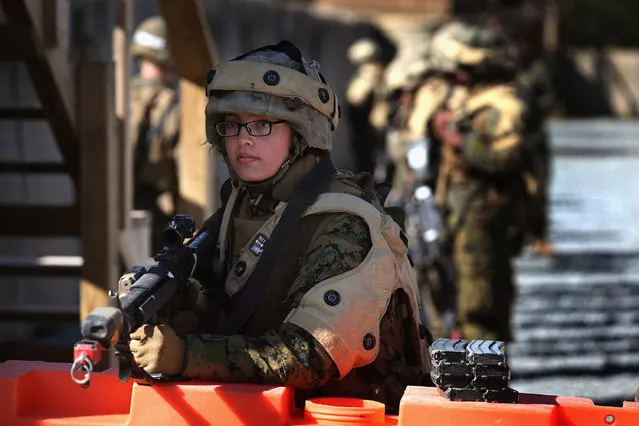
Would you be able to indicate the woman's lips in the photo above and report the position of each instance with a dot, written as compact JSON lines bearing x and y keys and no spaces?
{"x":246,"y":158}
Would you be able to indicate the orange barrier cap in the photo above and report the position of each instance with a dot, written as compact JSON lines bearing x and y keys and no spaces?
{"x":339,"y":411}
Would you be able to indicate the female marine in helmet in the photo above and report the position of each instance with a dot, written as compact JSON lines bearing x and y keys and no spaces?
{"x":309,"y":285}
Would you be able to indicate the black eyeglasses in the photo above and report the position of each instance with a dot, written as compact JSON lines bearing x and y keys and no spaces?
{"x":254,"y":128}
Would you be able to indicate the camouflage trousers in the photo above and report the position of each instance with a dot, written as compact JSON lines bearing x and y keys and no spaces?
{"x":482,"y":254}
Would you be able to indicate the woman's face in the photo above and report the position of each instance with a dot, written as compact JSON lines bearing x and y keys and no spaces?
{"x":257,"y":158}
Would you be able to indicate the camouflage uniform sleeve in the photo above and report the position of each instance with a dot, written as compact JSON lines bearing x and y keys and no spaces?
{"x":495,"y":144}
{"x":287,"y":355}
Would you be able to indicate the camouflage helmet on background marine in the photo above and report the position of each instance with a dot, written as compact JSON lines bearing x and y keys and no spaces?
{"x":150,"y":41}
{"x":278,"y":82}
{"x":481,"y":49}
{"x":364,"y":50}
{"x":407,"y":72}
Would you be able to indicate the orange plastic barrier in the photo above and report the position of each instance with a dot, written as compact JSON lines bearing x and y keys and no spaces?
{"x":37,"y":393}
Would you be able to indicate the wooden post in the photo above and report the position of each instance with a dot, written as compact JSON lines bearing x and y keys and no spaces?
{"x":99,"y":175}
{"x":99,"y":154}
{"x":551,"y":30}
{"x":194,"y":52}
{"x":122,"y":60}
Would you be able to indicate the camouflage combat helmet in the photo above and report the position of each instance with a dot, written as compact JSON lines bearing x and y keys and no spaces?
{"x":278,"y":82}
{"x":150,"y":41}
{"x":457,"y":45}
{"x":406,"y":71}
{"x":364,"y":50}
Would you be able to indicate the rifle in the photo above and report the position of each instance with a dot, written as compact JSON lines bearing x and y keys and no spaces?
{"x":152,"y":291}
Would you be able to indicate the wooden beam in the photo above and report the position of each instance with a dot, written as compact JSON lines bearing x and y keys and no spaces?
{"x":194,"y":53}
{"x":39,"y":220}
{"x":196,"y":167}
{"x":99,"y":172}
{"x":189,"y":38}
{"x":50,"y":73}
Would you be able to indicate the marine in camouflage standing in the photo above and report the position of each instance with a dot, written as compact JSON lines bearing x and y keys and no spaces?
{"x":338,"y":314}
{"x":435,"y":93}
{"x":367,"y":108}
{"x":155,"y":125}
{"x":479,"y":186}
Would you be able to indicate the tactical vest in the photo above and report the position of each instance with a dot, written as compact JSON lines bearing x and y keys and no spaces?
{"x":364,"y":293}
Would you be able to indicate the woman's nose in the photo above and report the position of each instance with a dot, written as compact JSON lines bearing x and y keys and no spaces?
{"x":244,"y":138}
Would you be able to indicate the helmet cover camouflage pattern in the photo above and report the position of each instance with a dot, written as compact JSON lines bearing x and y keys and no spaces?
{"x":364,"y":50}
{"x":291,"y":89}
{"x":458,"y":45}
{"x":150,"y":41}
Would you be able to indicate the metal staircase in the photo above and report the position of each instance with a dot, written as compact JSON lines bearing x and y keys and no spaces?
{"x":32,"y":34}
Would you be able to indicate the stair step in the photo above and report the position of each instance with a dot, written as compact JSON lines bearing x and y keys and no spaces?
{"x":44,"y":221}
{"x":14,"y":167}
{"x":12,"y":43}
{"x":21,"y":113}
{"x":41,"y":265}
{"x":40,"y":313}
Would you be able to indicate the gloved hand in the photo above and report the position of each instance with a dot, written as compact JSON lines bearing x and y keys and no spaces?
{"x":158,"y":349}
{"x":184,"y":322}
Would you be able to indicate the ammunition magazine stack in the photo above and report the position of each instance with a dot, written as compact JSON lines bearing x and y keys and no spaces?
{"x":474,"y":370}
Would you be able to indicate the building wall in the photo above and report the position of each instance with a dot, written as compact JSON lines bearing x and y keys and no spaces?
{"x":599,"y":82}
{"x":397,"y":6}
